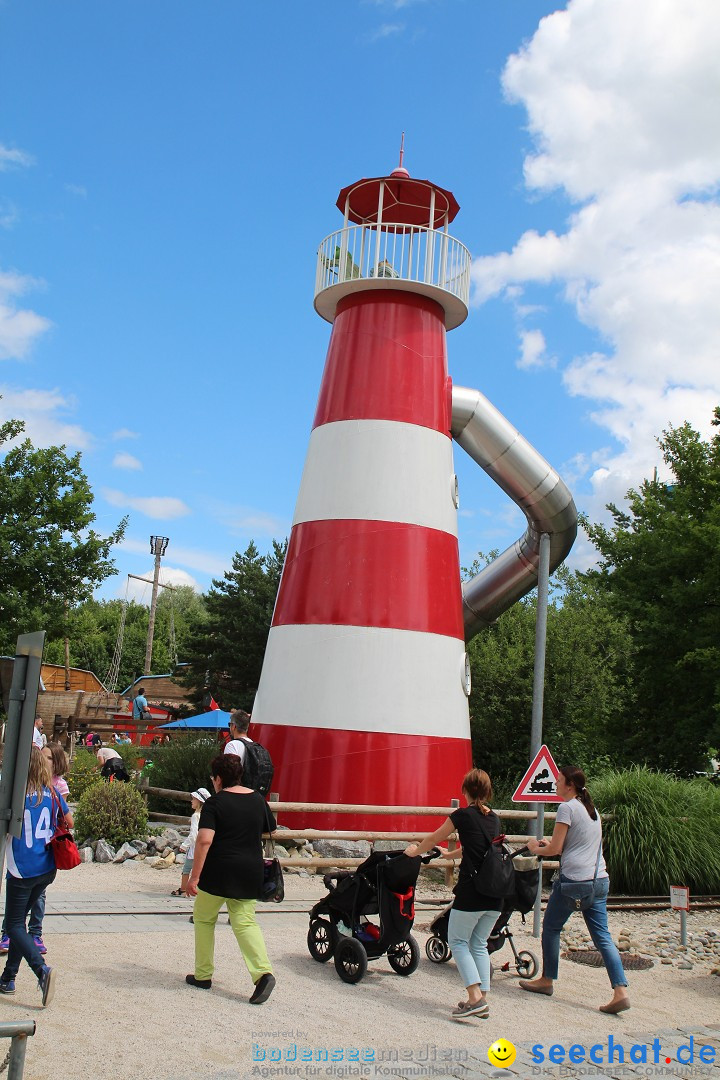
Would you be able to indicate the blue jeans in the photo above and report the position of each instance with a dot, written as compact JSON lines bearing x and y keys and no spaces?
{"x":37,"y":914}
{"x":468,"y":932}
{"x":20,"y":895}
{"x":557,"y":913}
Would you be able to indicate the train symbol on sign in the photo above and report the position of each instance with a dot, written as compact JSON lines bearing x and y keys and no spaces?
{"x":542,"y":783}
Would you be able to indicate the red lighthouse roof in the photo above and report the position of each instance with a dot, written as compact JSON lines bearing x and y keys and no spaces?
{"x":405,"y":201}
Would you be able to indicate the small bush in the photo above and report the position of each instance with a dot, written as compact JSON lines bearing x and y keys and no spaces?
{"x":115,"y":812}
{"x":664,"y":831}
{"x":83,"y":774}
{"x":181,"y":765}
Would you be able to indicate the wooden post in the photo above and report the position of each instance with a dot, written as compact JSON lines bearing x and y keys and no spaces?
{"x":452,"y":845}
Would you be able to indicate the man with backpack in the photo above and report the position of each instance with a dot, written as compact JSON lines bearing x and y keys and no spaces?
{"x":258,"y":768}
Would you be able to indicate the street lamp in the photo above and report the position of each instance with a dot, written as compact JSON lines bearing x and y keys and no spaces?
{"x":158,"y":547}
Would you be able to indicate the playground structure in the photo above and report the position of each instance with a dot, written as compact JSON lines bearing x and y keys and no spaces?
{"x":363,"y":696}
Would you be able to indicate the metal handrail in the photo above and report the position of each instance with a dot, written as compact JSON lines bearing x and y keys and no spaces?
{"x":18,"y":1032}
{"x":394,"y":252}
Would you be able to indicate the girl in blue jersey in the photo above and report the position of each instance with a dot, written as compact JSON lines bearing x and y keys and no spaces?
{"x":30,"y":869}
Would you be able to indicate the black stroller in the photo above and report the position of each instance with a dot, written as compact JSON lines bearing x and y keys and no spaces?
{"x":522,"y":901}
{"x":340,"y":923}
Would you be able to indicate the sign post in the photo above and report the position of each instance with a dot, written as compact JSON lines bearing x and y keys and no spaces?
{"x":22,"y":707}
{"x":680,"y":901}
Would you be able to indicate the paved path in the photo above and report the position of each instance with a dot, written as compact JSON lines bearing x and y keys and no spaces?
{"x":148,"y":912}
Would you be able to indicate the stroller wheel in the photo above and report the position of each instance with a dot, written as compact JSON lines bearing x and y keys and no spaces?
{"x":321,"y":940}
{"x":437,"y":950}
{"x":527,"y":965}
{"x":350,"y":960}
{"x":404,"y":957}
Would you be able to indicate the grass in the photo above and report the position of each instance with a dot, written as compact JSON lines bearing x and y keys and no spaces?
{"x":664,"y":831}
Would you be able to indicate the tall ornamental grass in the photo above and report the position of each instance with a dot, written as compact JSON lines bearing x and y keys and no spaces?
{"x":181,"y":765}
{"x":664,"y":831}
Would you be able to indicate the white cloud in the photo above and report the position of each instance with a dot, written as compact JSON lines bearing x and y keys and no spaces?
{"x":19,"y":327}
{"x":125,"y":433}
{"x":160,"y":507}
{"x":42,"y":412}
{"x":248,"y":521}
{"x":169,"y":575}
{"x":385,"y":30}
{"x":12,"y":158}
{"x":8,"y":213}
{"x":126,"y":461}
{"x":532,"y":350}
{"x":622,"y":107}
{"x":77,"y":189}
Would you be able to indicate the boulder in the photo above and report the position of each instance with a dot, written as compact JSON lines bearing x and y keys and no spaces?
{"x":127,"y":851}
{"x":86,"y":854}
{"x":104,"y":852}
{"x":168,"y":838}
{"x":342,"y":849}
{"x":167,"y":850}
{"x":162,"y":864}
{"x":153,"y":860}
{"x":179,"y":859}
{"x":140,"y":846}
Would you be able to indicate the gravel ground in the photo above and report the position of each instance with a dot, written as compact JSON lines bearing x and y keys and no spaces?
{"x":122,"y":1008}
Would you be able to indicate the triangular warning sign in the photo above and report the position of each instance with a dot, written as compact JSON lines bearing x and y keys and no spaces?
{"x":539,"y":784}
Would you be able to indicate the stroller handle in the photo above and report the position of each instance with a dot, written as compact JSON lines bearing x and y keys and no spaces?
{"x":433,"y":853}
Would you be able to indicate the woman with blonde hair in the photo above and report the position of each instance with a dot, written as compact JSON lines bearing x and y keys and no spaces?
{"x":30,"y":869}
{"x":473,"y":915}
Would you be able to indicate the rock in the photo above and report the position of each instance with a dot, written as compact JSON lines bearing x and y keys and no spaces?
{"x":140,"y":846}
{"x":153,"y":860}
{"x":127,"y":851}
{"x":167,"y":850}
{"x":169,"y":838}
{"x":715,"y":971}
{"x":389,"y":845}
{"x":86,"y":854}
{"x":104,"y":852}
{"x":162,"y":864}
{"x":685,"y":965}
{"x":342,"y":849}
{"x":282,"y":852}
{"x":179,"y":859}
{"x":666,"y":960}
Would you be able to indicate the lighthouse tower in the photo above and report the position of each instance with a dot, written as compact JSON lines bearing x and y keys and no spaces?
{"x":364,"y":691}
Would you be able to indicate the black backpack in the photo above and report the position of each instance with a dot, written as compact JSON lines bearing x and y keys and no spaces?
{"x":258,"y":769}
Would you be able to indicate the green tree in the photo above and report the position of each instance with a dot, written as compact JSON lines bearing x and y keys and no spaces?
{"x":587,"y":681}
{"x":50,"y":557}
{"x":661,"y":573}
{"x":226,"y":652}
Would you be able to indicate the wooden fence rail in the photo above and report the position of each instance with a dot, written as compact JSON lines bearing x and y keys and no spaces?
{"x":350,"y":808}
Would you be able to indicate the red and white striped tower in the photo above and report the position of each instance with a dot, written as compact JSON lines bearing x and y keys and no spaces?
{"x":364,"y":691}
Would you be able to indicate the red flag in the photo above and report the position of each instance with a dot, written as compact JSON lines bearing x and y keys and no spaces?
{"x":213,"y":703}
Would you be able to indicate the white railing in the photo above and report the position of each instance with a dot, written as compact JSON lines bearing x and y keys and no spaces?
{"x":397,"y":252}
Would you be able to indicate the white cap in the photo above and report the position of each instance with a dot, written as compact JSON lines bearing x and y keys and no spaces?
{"x":202,"y":794}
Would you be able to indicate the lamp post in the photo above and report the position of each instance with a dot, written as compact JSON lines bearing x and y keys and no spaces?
{"x":158,"y":547}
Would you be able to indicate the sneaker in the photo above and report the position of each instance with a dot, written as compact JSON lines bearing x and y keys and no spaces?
{"x":4,"y":944}
{"x":46,"y":983}
{"x":202,"y":984}
{"x":469,"y":1008}
{"x":41,"y":946}
{"x":7,"y":987}
{"x":263,"y":989}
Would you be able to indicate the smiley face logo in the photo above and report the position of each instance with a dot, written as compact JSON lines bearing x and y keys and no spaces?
{"x":501,"y":1053}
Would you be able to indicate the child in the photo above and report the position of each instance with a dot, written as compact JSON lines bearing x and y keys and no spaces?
{"x":198,"y":798}
{"x":59,"y":764}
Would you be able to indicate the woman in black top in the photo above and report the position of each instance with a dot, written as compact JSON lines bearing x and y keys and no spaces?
{"x":228,"y":869}
{"x":473,"y":916}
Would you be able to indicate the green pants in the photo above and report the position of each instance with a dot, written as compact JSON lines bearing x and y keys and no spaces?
{"x":246,"y":930}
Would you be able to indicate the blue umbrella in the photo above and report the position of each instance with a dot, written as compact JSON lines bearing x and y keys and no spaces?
{"x":215,"y":720}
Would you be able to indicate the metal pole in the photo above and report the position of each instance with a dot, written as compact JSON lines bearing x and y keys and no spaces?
{"x":151,"y":619}
{"x":538,"y":694}
{"x":683,"y":927}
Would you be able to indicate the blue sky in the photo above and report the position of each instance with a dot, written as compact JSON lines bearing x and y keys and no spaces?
{"x":168,"y":170}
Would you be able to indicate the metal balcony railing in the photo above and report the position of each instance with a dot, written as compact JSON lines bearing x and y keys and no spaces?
{"x":396,"y":256}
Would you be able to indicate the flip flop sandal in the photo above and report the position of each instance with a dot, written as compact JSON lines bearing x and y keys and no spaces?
{"x":177,"y":892}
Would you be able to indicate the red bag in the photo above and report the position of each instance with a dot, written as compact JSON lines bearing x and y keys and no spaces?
{"x":63,"y":846}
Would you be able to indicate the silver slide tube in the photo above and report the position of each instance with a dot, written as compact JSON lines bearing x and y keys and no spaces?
{"x":526,"y":477}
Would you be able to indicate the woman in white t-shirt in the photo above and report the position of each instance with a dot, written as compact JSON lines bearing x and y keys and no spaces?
{"x":577,"y":839}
